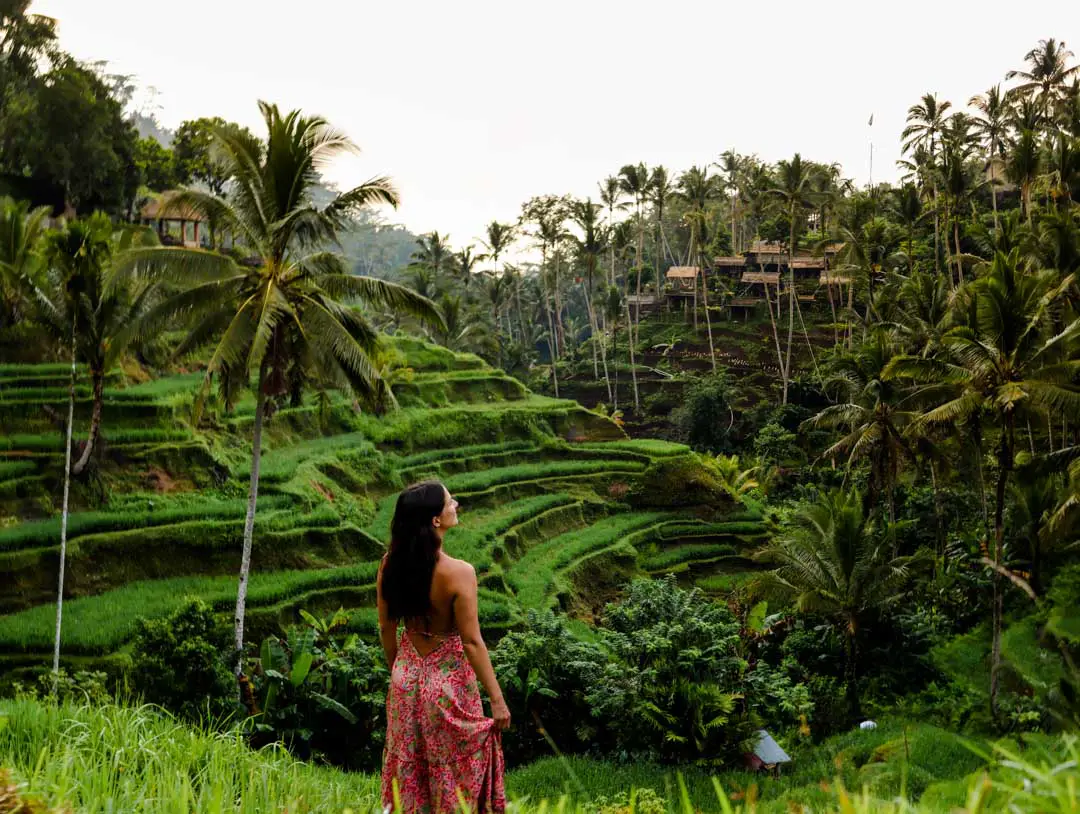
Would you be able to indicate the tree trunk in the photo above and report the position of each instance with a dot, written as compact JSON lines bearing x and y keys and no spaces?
{"x":776,"y":338}
{"x":633,"y":363}
{"x":937,"y":233}
{"x":552,"y":347}
{"x":993,"y":186}
{"x":851,"y":683}
{"x":249,"y":521}
{"x":939,"y":512}
{"x":97,"y":376}
{"x":560,"y":337}
{"x":708,"y":319}
{"x":1005,"y":461}
{"x":64,"y":513}
{"x":791,"y":301}
{"x":956,"y":256}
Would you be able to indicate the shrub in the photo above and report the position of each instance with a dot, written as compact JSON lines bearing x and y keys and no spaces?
{"x":675,"y":684}
{"x":685,"y":480}
{"x":322,"y":693}
{"x":707,"y":419}
{"x":545,"y":672}
{"x":181,"y":662}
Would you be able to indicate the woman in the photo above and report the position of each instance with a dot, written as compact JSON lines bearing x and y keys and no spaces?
{"x":439,"y":744}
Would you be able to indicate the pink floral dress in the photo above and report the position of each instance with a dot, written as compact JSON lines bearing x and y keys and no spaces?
{"x":439,"y":744}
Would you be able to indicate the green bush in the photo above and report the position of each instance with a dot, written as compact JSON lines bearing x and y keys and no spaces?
{"x":181,"y":663}
{"x":682,"y":481}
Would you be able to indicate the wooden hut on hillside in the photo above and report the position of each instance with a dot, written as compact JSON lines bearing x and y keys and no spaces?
{"x":176,"y":224}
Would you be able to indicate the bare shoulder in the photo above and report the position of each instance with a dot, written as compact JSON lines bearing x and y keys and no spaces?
{"x":457,"y":569}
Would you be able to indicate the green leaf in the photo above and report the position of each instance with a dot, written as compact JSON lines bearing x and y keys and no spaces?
{"x":755,"y":620}
{"x":301,"y":667}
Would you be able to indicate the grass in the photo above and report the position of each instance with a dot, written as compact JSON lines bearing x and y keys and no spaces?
{"x":15,"y":469}
{"x":54,"y":441}
{"x":677,"y":557}
{"x":533,"y":576}
{"x":479,"y":481}
{"x":101,"y":624}
{"x":652,"y":447}
{"x":122,"y":758}
{"x":41,"y":533}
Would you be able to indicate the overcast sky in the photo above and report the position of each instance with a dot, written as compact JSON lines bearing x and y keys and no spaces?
{"x":473,"y":106}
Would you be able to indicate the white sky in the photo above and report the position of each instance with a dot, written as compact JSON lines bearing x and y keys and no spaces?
{"x":473,"y":106}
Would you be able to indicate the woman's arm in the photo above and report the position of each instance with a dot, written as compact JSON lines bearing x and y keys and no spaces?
{"x":468,"y":624}
{"x":387,"y":626}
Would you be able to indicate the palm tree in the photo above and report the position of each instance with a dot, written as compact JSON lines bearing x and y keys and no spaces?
{"x":830,"y":560}
{"x":660,"y":192}
{"x":731,"y":164}
{"x":611,"y":197}
{"x":871,"y":411}
{"x":958,"y":183}
{"x":698,"y":189}
{"x":433,"y":253}
{"x":907,"y":208}
{"x":926,"y":120}
{"x":21,"y":263}
{"x":464,"y":261}
{"x":590,"y":247}
{"x":990,"y":126}
{"x":456,"y":328}
{"x":285,"y":319}
{"x":634,"y":181}
{"x":1023,"y":166}
{"x":82,"y":289}
{"x":1003,"y":362}
{"x":793,"y":189}
{"x":1047,"y":75}
{"x":500,"y":237}
{"x":499,"y":289}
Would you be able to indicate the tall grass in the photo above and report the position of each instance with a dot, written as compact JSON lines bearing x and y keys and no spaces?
{"x":678,"y":556}
{"x":54,"y":442}
{"x":114,"y":758}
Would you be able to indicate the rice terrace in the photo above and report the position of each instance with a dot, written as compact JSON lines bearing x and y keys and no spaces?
{"x":767,"y":467}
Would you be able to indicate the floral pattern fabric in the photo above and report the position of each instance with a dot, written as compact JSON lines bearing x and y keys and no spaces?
{"x":440,"y":747}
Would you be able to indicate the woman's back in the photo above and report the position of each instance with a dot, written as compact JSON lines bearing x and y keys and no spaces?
{"x":446,"y":584}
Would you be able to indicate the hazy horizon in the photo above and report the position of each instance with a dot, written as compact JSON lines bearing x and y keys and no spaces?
{"x":472,"y":108}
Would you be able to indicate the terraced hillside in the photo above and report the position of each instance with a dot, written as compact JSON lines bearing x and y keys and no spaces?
{"x":553,"y":510}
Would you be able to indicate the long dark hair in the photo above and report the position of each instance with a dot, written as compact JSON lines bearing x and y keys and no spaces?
{"x":414,"y":547}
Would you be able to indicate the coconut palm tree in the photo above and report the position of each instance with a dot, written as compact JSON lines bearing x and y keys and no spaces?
{"x":925,"y":122}
{"x":660,"y":192}
{"x":697,"y":189}
{"x":590,"y":247}
{"x":634,"y":181}
{"x":611,"y":197}
{"x":871,"y":410}
{"x":82,"y":288}
{"x":464,"y":261}
{"x":433,"y":253}
{"x":1046,"y":76}
{"x":1023,"y":165}
{"x":908,"y":209}
{"x":990,"y":125}
{"x":731,"y":165}
{"x":21,"y":262}
{"x":286,"y":318}
{"x":831,"y":561}
{"x":793,"y":188}
{"x":500,"y":237}
{"x":1003,"y":361}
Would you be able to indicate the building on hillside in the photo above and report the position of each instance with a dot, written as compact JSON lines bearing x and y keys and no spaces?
{"x":176,"y":225}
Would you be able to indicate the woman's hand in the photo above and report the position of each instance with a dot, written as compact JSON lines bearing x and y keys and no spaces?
{"x":501,"y":713}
